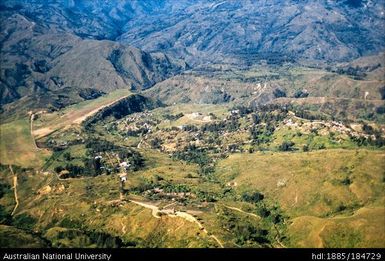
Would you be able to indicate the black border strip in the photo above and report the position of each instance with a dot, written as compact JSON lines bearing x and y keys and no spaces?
{"x":196,"y":254}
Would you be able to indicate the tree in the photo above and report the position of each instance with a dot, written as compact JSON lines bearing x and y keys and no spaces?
{"x":263,"y":212}
{"x":382,"y":92}
{"x":286,"y":146}
{"x":381,"y":110}
{"x":97,"y":166}
{"x":156,"y":143}
{"x":67,"y":156}
{"x":5,"y":217}
{"x":253,"y":197}
{"x":58,"y":169}
{"x":255,"y":118}
{"x":301,"y":94}
{"x":278,"y":93}
{"x":346,"y":181}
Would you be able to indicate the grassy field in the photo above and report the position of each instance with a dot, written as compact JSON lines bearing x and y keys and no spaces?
{"x":333,"y":198}
{"x":11,"y":237}
{"x":366,"y":228}
{"x":75,"y":114}
{"x":323,"y":198}
{"x":18,"y":147}
{"x":302,"y":137}
{"x":68,"y":213}
{"x":318,"y":82}
{"x":314,"y":183}
{"x":71,"y":213}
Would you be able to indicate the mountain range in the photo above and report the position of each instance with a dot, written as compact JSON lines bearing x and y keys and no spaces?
{"x":192,"y":124}
{"x":107,"y":45}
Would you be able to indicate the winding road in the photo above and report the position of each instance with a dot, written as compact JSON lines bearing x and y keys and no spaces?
{"x":278,"y":235}
{"x":156,"y":211}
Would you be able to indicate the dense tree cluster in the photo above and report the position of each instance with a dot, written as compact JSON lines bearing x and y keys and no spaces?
{"x":231,"y":124}
{"x":122,"y":108}
{"x":301,"y":94}
{"x":245,"y":232}
{"x":286,"y":146}
{"x":97,"y":145}
{"x":382,"y":92}
{"x":357,"y":73}
{"x":193,"y":154}
{"x":90,"y":94}
{"x":261,"y":134}
{"x":94,"y":164}
{"x":175,"y":188}
{"x":279,"y":93}
{"x":252,"y":197}
{"x":173,"y":117}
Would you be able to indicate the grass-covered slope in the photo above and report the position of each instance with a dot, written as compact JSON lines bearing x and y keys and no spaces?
{"x":334,"y":198}
{"x":17,"y":145}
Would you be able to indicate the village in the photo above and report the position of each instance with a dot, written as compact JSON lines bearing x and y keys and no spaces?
{"x":234,"y":132}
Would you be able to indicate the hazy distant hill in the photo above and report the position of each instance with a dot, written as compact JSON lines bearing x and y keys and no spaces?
{"x":39,"y":57}
{"x":245,"y":31}
{"x":221,"y":30}
{"x":48,"y":45}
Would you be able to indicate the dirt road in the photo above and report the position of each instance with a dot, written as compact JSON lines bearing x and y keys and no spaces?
{"x":244,"y":212}
{"x":156,"y":212}
{"x":32,"y":118}
{"x":72,"y":117}
{"x":14,"y":189}
{"x":278,"y":235}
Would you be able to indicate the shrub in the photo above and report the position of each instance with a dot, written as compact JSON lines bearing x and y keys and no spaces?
{"x":4,"y":188}
{"x":58,"y":169}
{"x":278,"y":93}
{"x":253,"y":197}
{"x":346,"y":181}
{"x":5,"y":217}
{"x":156,"y":143}
{"x":340,"y":208}
{"x":301,"y":94}
{"x":382,"y":92}
{"x":90,"y":94}
{"x":263,"y":212}
{"x":286,"y":146}
{"x":24,"y":221}
{"x":67,"y":156}
{"x":381,"y":110}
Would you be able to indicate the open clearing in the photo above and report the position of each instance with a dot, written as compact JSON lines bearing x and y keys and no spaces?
{"x":75,"y":114}
{"x":310,"y":183}
{"x":323,"y":210}
{"x":90,"y":201}
{"x":366,"y":228}
{"x":156,"y":212}
{"x":17,"y":147}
